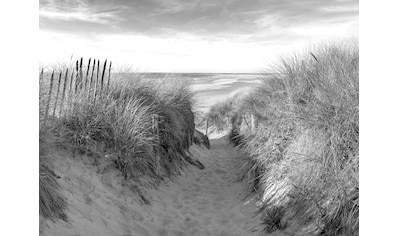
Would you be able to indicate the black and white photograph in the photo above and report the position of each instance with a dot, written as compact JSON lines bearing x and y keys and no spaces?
{"x":198,"y":118}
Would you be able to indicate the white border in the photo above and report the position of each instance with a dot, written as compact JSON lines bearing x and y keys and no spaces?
{"x":19,"y":118}
{"x":379,"y":106}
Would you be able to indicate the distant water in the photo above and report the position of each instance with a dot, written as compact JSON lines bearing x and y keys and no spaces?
{"x":213,"y":88}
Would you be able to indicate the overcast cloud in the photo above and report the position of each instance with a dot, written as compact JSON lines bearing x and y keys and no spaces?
{"x":260,"y":22}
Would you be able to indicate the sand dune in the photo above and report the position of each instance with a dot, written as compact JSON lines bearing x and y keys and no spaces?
{"x":199,"y":202}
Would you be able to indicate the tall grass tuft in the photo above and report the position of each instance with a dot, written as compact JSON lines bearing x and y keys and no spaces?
{"x":201,"y":139}
{"x":220,"y":114}
{"x":122,"y":117}
{"x":146,"y":126}
{"x":52,"y":203}
{"x":304,"y":161}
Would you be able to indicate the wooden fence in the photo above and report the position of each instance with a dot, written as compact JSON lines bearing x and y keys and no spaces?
{"x":89,"y":80}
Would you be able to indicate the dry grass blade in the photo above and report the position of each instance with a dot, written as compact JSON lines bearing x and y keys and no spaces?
{"x":52,"y":204}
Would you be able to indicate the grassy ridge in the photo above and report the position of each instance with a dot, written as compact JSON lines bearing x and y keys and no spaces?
{"x":146,"y":126}
{"x":304,"y":156}
{"x":306,"y":147}
{"x":228,"y":114}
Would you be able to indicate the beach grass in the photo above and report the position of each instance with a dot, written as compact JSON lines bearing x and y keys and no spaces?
{"x":307,"y":142}
{"x":52,"y":202}
{"x":201,"y":139}
{"x":144,"y":126}
{"x":303,"y":164}
{"x":221,"y":114}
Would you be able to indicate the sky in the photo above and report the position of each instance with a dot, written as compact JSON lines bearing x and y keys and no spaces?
{"x":224,"y":36}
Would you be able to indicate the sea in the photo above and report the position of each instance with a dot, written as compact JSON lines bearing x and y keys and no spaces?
{"x":212,"y":88}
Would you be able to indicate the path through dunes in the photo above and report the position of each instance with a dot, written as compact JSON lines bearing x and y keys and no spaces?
{"x":209,"y":201}
{"x":199,"y":202}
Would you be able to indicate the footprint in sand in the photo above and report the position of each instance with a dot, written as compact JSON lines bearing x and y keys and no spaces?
{"x":189,"y":223}
{"x":219,"y":171}
{"x":136,"y":215}
{"x":166,"y":221}
{"x":207,"y":220}
{"x":219,"y":199}
{"x":140,"y":230}
{"x":162,"y":232}
{"x":178,"y":233}
{"x":223,"y":221}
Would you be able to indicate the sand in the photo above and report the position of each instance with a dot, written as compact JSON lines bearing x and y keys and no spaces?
{"x":199,"y":202}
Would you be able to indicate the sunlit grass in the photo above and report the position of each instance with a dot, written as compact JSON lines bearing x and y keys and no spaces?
{"x":304,"y":157}
{"x":146,"y":126}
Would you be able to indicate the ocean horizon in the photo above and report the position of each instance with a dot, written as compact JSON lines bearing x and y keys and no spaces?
{"x":212,"y":88}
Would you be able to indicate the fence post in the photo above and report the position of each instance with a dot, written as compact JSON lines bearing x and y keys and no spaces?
{"x":49,"y":95}
{"x":206,"y":130}
{"x":87,"y":73}
{"x":96,"y":87}
{"x":81,"y":74}
{"x":77,"y":76}
{"x":58,"y":91}
{"x":63,"y":92}
{"x":102,"y":77}
{"x":71,"y":82}
{"x":109,"y":74}
{"x":41,"y":75}
{"x":91,"y":78}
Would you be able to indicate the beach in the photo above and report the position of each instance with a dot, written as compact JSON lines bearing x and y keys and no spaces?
{"x":213,"y":88}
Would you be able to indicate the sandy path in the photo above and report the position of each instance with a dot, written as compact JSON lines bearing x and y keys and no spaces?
{"x":209,"y":201}
{"x":199,"y":202}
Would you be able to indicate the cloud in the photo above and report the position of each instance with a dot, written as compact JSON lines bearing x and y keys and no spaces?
{"x":78,"y":17}
{"x":190,"y":35}
{"x":83,"y":14}
{"x":207,"y":18}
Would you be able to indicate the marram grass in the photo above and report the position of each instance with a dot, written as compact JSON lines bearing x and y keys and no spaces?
{"x":303,"y":164}
{"x":146,"y":126}
{"x":306,"y":145}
